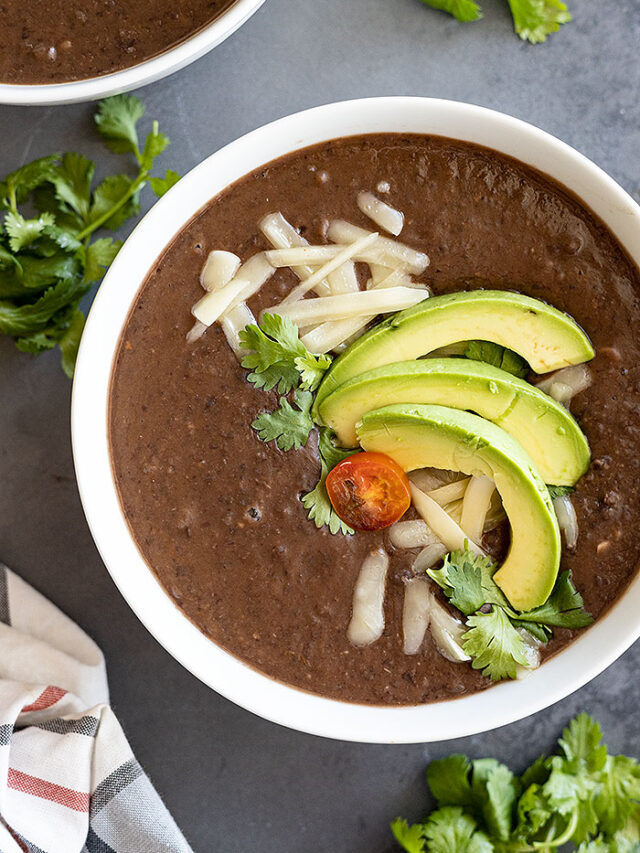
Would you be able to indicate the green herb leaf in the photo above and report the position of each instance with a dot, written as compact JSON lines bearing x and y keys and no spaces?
{"x":99,"y":255}
{"x":563,"y":609}
{"x":497,"y":356}
{"x":72,"y":183}
{"x":410,"y":838}
{"x":463,"y":10}
{"x":114,"y":201}
{"x":559,"y":491}
{"x":289,"y":427}
{"x":116,"y":121}
{"x":450,"y":830}
{"x":22,"y":232}
{"x":20,"y":320}
{"x":162,"y":185}
{"x":467,"y":581}
{"x":277,"y":357}
{"x":448,"y":780}
{"x":494,"y":645}
{"x":154,"y":145}
{"x":534,"y":20}
{"x":312,"y":368}
{"x":16,"y":186}
{"x":70,"y":342}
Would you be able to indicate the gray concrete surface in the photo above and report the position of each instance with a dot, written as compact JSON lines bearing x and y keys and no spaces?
{"x":236,"y":783}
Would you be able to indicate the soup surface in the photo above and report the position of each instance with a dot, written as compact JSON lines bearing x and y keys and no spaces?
{"x":217,"y":513}
{"x":54,"y":41}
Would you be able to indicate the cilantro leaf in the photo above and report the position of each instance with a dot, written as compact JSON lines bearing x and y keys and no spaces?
{"x":317,"y":502}
{"x":410,"y":838}
{"x":17,"y":185}
{"x":495,"y":789}
{"x":70,"y":342}
{"x":116,"y":121}
{"x":154,"y":145}
{"x":563,"y":609}
{"x":463,"y":10}
{"x":448,"y":780}
{"x":99,"y":255}
{"x":559,"y":491}
{"x":22,"y":232}
{"x":467,"y":580}
{"x":162,"y":185}
{"x":450,"y":830}
{"x":534,"y":20}
{"x":277,"y":357}
{"x":72,"y":184}
{"x":312,"y":368}
{"x":47,"y":262}
{"x":494,"y":645}
{"x":497,"y":356}
{"x":114,"y":201}
{"x":620,"y":786}
{"x":289,"y":427}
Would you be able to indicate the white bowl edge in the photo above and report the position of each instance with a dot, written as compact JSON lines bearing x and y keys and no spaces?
{"x":585,"y":658}
{"x":148,"y":71}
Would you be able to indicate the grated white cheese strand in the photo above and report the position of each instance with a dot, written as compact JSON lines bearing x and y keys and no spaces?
{"x":428,"y":557}
{"x":564,"y":384}
{"x":282,"y":235}
{"x":475,"y":506}
{"x":360,"y":304}
{"x":248,"y":281}
{"x":196,"y":332}
{"x":218,"y":270}
{"x":344,"y":279}
{"x":415,"y":614}
{"x":444,"y":527}
{"x":367,"y":620}
{"x":233,"y":322}
{"x":450,"y":492}
{"x":345,"y":254}
{"x":447,"y":632}
{"x":412,"y":534}
{"x":531,"y":652}
{"x":335,"y":333}
{"x":429,"y":479}
{"x":381,"y":213}
{"x":567,"y":519}
{"x":389,"y":253}
{"x":327,"y":336}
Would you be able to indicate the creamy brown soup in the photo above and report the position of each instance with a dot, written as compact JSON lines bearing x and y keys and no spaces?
{"x":216,"y":512}
{"x":54,"y":41}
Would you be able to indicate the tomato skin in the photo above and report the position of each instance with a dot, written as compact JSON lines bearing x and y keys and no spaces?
{"x":369,"y":491}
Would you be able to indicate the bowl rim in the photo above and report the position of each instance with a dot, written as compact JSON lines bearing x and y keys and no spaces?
{"x":141,"y":74}
{"x":586,"y":657}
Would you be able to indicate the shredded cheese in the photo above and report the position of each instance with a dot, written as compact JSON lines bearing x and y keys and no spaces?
{"x":382,"y":214}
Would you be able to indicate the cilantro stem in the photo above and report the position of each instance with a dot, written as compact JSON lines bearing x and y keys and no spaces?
{"x":561,"y":839}
{"x":99,"y":222}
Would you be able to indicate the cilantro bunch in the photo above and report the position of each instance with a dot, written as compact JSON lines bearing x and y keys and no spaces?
{"x":279,"y":360}
{"x":49,"y":257}
{"x":581,"y":796}
{"x":533,"y":20}
{"x":494,"y":641}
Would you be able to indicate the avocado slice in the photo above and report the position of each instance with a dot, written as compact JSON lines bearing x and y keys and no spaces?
{"x":441,"y":437}
{"x":544,"y":336}
{"x":544,"y":428}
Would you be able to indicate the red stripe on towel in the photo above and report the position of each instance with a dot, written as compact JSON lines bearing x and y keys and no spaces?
{"x":27,"y":784}
{"x":46,"y":699}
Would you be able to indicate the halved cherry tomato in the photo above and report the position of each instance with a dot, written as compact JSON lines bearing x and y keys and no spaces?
{"x":369,"y":491}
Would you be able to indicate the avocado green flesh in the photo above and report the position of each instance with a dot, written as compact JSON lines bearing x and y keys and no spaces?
{"x":544,"y":336}
{"x":440,"y":437}
{"x":543,"y":427}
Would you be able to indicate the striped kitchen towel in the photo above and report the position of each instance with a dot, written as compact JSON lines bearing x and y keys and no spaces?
{"x":68,"y":780}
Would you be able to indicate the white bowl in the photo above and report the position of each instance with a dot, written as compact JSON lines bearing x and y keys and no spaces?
{"x":594,"y":650}
{"x":138,"y":75}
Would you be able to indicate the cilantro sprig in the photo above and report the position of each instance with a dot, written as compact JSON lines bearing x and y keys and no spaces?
{"x":533,"y":20}
{"x":581,"y":796}
{"x":317,"y":502}
{"x":494,"y":641}
{"x":279,"y":360}
{"x":49,"y":257}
